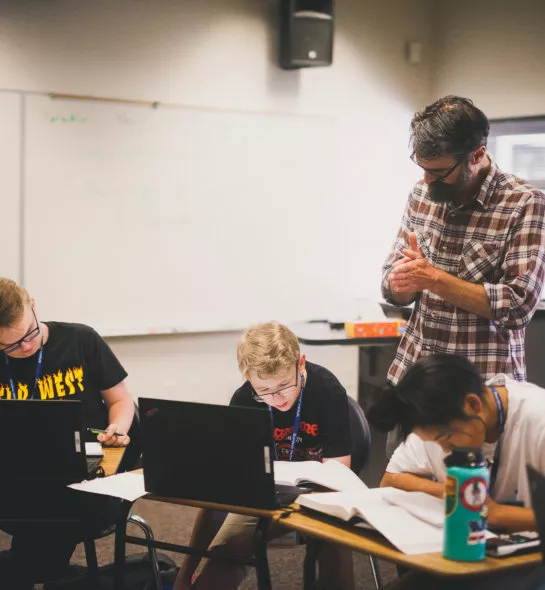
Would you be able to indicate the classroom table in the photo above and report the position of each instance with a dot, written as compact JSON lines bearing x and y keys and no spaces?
{"x":313,"y":526}
{"x":259,"y":561}
{"x":326,"y":528}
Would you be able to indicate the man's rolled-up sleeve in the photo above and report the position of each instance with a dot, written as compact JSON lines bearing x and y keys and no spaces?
{"x":514,"y":298}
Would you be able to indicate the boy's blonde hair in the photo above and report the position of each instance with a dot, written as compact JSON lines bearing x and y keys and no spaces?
{"x":267,"y":349}
{"x":12,"y":302}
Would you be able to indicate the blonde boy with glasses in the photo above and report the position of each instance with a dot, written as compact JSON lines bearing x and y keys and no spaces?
{"x":309,"y":416}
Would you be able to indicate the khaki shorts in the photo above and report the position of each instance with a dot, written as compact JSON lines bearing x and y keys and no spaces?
{"x":242,"y":526}
{"x":236,"y":537}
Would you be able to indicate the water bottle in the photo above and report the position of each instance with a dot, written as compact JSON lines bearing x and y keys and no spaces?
{"x":466,"y":497}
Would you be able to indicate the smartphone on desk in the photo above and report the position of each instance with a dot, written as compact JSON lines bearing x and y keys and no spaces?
{"x":513,"y":544}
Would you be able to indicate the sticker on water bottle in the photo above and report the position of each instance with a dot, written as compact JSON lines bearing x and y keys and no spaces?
{"x":473,"y":493}
{"x":451,"y":495}
{"x":477,"y":532}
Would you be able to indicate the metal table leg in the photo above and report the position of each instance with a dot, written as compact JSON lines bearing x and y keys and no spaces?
{"x":260,"y":547}
{"x":309,"y":565}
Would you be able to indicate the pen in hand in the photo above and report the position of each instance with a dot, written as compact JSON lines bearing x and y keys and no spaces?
{"x":100,"y":431}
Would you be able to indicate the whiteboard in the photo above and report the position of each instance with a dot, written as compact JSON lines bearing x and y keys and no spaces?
{"x":142,"y":220}
{"x":10,"y":185}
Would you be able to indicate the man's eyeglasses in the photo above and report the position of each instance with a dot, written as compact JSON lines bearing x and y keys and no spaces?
{"x":438,"y":174}
{"x":28,"y":337}
{"x":284,"y":391}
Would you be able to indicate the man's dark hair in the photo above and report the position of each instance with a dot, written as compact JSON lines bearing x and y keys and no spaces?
{"x":451,"y":126}
{"x":431,"y":392}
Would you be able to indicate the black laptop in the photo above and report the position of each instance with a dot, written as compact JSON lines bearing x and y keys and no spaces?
{"x":42,"y":451}
{"x":211,"y":453}
{"x":44,"y":439}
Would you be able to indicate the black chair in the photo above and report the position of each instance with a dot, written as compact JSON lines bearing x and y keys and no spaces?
{"x":361,"y":436}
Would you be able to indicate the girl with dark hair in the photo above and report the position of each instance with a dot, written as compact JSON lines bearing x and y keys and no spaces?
{"x":440,"y":403}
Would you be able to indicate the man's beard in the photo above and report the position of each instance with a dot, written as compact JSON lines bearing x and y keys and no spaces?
{"x":441,"y":192}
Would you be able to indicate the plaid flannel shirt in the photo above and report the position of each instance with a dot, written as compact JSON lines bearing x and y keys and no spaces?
{"x":498,"y":241}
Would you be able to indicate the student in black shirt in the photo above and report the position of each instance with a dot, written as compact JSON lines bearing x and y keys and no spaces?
{"x":304,"y":399}
{"x":322,"y":432}
{"x":54,"y":361}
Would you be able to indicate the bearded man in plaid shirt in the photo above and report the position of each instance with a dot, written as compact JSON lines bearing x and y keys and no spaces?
{"x":470,"y":252}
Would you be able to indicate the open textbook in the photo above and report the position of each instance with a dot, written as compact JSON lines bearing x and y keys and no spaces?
{"x":330,"y":474}
{"x":411,"y":521}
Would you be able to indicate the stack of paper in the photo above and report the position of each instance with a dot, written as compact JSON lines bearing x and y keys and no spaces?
{"x":129,"y":486}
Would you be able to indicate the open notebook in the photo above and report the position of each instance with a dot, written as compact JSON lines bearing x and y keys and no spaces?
{"x":412,"y":521}
{"x":330,"y":474}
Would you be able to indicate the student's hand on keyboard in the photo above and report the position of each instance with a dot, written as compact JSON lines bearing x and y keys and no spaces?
{"x":114,"y":437}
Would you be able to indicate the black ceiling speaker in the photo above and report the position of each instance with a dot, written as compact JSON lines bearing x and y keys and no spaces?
{"x":306,"y":33}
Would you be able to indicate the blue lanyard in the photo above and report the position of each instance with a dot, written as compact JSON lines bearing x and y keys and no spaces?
{"x":38,"y":373}
{"x":296,"y":422}
{"x":501,"y":426}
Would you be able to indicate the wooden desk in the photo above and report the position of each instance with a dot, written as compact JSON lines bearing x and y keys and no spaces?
{"x":257,"y":512}
{"x":374,"y":544}
{"x":111,"y":460}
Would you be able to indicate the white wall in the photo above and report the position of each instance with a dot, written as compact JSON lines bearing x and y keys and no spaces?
{"x":221,"y":53}
{"x":494,"y":53}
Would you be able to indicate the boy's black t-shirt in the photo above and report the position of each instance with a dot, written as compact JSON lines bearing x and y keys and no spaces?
{"x":324,"y":430}
{"x":77,"y":364}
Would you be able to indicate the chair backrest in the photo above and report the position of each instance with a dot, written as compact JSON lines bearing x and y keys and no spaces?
{"x":133,"y":453}
{"x":360,"y":434}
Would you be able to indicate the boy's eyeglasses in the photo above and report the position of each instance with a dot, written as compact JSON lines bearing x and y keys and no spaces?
{"x":284,"y":391}
{"x":28,"y":337}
